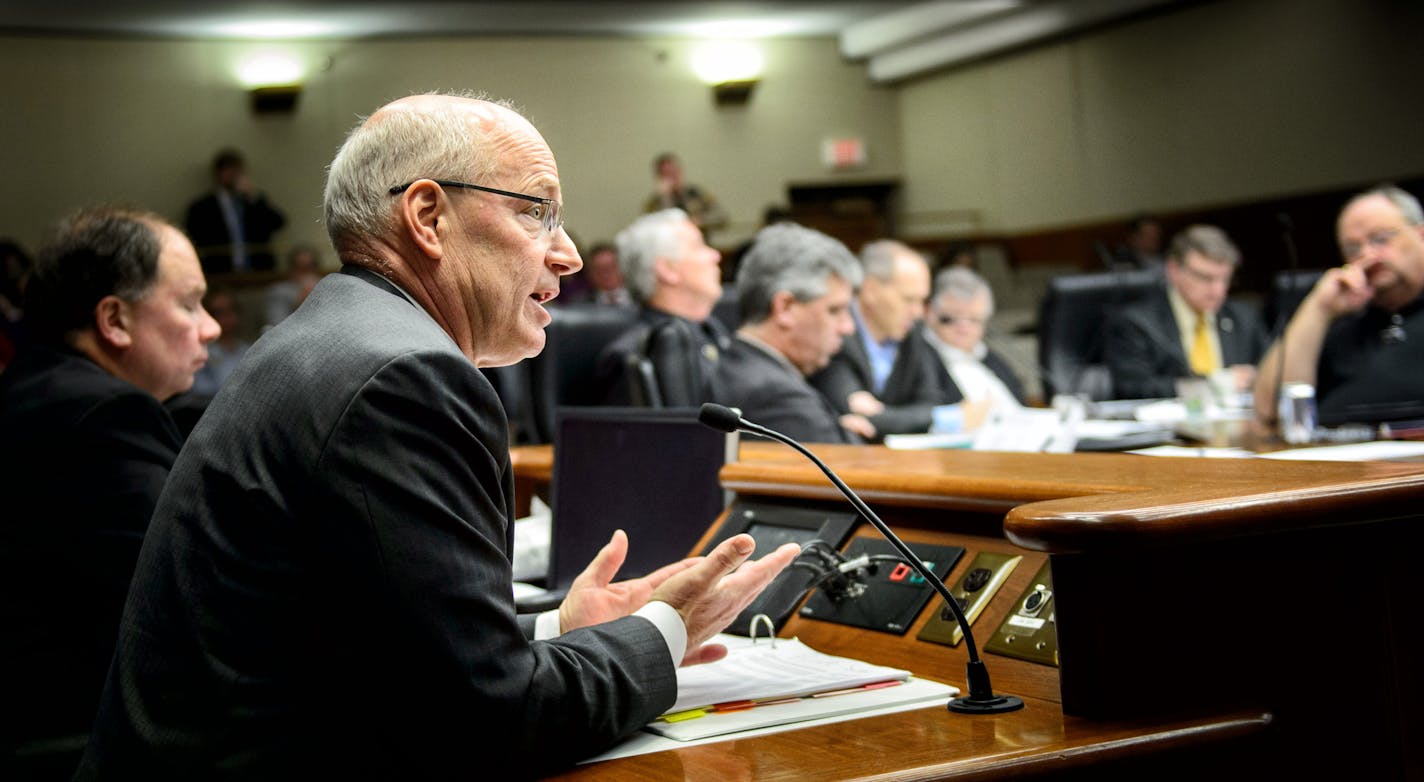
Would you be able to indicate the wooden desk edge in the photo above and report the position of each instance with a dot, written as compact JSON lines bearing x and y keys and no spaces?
{"x":984,"y":758}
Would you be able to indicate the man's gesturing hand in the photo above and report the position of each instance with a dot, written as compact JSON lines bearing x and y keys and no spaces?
{"x":709,"y":595}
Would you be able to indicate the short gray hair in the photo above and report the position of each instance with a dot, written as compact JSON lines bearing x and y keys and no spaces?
{"x":1403,"y":200}
{"x":789,"y":257}
{"x":1207,"y":241}
{"x":648,"y":238}
{"x":962,"y":284}
{"x":878,"y":258}
{"x":401,"y":148}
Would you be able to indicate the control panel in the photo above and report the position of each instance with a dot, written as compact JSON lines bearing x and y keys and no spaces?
{"x":1029,"y":632}
{"x":885,"y":594}
{"x":975,"y":588}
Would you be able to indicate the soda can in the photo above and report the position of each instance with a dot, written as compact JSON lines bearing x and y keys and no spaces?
{"x":1297,"y":413}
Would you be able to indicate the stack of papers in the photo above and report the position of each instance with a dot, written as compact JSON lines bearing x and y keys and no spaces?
{"x":760,"y":684}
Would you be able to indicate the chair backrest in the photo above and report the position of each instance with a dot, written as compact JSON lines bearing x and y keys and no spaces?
{"x":1288,"y":290}
{"x":666,"y":370}
{"x":512,"y":384}
{"x":1070,"y":328}
{"x":725,"y":310}
{"x":563,"y":374}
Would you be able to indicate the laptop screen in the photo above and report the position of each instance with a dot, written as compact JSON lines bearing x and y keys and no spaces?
{"x":650,"y":472}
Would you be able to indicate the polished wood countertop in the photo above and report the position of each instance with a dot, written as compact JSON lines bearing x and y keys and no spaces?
{"x":1167,"y":521}
{"x":1060,"y":503}
{"x":926,"y":744}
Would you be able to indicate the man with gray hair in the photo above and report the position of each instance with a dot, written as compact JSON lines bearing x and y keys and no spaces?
{"x":1358,"y":336}
{"x":325,"y":590}
{"x":972,"y":380}
{"x":883,"y":371}
{"x":676,"y":279}
{"x":794,"y":289}
{"x":1190,"y":328}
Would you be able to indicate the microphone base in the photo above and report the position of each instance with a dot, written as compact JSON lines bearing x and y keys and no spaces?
{"x":996,"y":704}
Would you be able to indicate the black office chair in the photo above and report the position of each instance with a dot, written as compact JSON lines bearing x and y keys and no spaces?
{"x":725,"y":310}
{"x":665,"y":370}
{"x":1288,"y":290}
{"x":513,"y":385}
{"x":563,"y":374}
{"x":1070,"y":328}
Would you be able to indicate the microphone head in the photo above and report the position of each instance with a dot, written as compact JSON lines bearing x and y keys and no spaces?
{"x":723,"y":419}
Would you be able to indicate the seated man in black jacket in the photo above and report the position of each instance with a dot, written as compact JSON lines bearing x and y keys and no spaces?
{"x":117,"y":326}
{"x":1190,"y":329}
{"x":670,"y":357}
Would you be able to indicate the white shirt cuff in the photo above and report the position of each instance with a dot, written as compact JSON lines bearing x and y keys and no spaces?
{"x":670,"y":626}
{"x":546,"y":625}
{"x":663,"y":616}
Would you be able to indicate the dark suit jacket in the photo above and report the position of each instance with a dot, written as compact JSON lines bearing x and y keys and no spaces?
{"x":325,"y":588}
{"x":209,"y":233}
{"x":683,"y":355}
{"x":911,"y":391}
{"x":776,"y":396}
{"x":1143,"y":348}
{"x":83,"y":457}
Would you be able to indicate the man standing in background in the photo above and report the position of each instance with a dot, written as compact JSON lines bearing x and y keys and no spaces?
{"x":672,"y":192}
{"x":232,"y":226}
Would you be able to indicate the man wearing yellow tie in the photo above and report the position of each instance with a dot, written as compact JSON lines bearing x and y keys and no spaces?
{"x":1190,"y":328}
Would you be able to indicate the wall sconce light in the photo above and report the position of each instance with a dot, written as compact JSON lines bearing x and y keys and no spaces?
{"x":275,"y":100}
{"x":273,"y":78}
{"x":732,"y":68}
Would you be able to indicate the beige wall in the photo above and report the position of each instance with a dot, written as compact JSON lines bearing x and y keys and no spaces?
{"x":1217,"y":103}
{"x":93,"y":120}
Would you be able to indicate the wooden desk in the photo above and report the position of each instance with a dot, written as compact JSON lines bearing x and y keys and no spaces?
{"x":1224,"y":617}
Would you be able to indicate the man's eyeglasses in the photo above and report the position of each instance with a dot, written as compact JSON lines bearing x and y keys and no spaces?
{"x":1206,"y":277}
{"x":950,"y":320}
{"x":551,"y":216}
{"x":1378,"y":240}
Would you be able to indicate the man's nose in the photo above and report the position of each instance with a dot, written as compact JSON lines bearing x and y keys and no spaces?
{"x":209,"y":329}
{"x":563,"y":257}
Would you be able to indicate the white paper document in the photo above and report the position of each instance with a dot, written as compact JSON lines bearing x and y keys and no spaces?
{"x":1199,"y":452}
{"x":1380,"y":450}
{"x":792,"y":711}
{"x":645,"y":741}
{"x":761,"y":685}
{"x":763,"y":670}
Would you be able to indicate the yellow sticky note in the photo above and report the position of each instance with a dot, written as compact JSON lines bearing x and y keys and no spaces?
{"x":683,"y":716}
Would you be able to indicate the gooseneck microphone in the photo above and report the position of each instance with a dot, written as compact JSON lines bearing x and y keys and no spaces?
{"x":981,"y":698}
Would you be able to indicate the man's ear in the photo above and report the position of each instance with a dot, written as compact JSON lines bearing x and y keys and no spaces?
{"x":665,"y":271}
{"x":781,"y":304}
{"x":420,"y":210}
{"x":113,"y":320}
